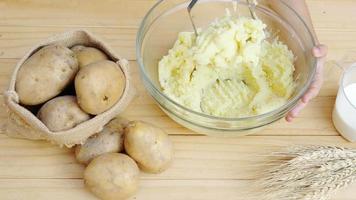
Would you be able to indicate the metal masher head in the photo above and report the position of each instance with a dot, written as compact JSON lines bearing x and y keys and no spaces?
{"x":251,"y":7}
{"x":192,"y":3}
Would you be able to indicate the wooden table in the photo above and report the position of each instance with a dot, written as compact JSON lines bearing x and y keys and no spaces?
{"x":204,"y":167}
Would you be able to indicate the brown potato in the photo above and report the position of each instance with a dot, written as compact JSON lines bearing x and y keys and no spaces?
{"x":110,"y":139}
{"x":112,"y":176}
{"x":149,"y":146}
{"x":45,"y":74}
{"x":62,"y":113}
{"x":88,"y":55}
{"x":99,"y":86}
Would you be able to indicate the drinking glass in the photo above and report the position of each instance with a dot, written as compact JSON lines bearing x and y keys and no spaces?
{"x":344,"y":113}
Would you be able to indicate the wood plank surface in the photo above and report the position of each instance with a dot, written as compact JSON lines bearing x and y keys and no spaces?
{"x":204,"y":168}
{"x":196,"y":157}
{"x":43,"y":189}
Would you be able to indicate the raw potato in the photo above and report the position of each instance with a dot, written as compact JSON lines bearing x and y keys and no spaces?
{"x":110,"y":139}
{"x":99,"y":86}
{"x":62,"y":113}
{"x":88,"y":55}
{"x":45,"y":74}
{"x":112,"y":176}
{"x":149,"y":146}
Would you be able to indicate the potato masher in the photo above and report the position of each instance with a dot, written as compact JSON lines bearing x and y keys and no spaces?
{"x":251,"y":7}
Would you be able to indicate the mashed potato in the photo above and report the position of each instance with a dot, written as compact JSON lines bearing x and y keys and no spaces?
{"x":229,"y":70}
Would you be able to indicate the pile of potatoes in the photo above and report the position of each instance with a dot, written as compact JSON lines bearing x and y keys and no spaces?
{"x":68,"y":85}
{"x":112,"y":175}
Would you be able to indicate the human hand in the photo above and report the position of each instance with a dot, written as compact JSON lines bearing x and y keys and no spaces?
{"x":320,"y":52}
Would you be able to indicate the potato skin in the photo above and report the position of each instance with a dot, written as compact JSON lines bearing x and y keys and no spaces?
{"x":112,"y":176}
{"x":110,"y":139}
{"x":62,"y":113}
{"x":99,"y":86}
{"x":88,"y":55}
{"x":149,"y":146}
{"x":45,"y":74}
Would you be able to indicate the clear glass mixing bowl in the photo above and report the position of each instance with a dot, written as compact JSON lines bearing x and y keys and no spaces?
{"x":159,"y":30}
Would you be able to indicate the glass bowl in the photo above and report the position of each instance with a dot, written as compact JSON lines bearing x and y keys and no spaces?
{"x":159,"y":30}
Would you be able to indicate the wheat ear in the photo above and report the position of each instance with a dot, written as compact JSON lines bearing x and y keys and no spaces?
{"x":311,"y":173}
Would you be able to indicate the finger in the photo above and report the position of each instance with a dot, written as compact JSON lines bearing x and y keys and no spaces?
{"x":289,"y":118}
{"x":312,"y":93}
{"x":313,"y":90}
{"x":315,"y":87}
{"x":320,"y":51}
{"x":295,"y":111}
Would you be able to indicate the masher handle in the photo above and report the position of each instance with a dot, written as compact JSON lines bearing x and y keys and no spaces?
{"x":190,"y":7}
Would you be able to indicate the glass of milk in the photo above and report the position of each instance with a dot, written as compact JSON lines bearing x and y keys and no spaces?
{"x":344,"y":114}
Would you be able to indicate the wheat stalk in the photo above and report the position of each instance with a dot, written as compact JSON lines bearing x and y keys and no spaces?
{"x":310,"y":173}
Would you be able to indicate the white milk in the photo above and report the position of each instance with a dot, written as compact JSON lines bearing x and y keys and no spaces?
{"x":344,"y":114}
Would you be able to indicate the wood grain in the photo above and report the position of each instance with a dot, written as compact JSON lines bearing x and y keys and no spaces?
{"x":196,"y":157}
{"x":119,"y":27}
{"x":205,"y":168}
{"x":43,"y":189}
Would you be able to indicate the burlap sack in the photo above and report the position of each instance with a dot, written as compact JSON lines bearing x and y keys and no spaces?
{"x":22,"y":123}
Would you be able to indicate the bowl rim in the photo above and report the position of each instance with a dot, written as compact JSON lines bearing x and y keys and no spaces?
{"x":286,"y":106}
